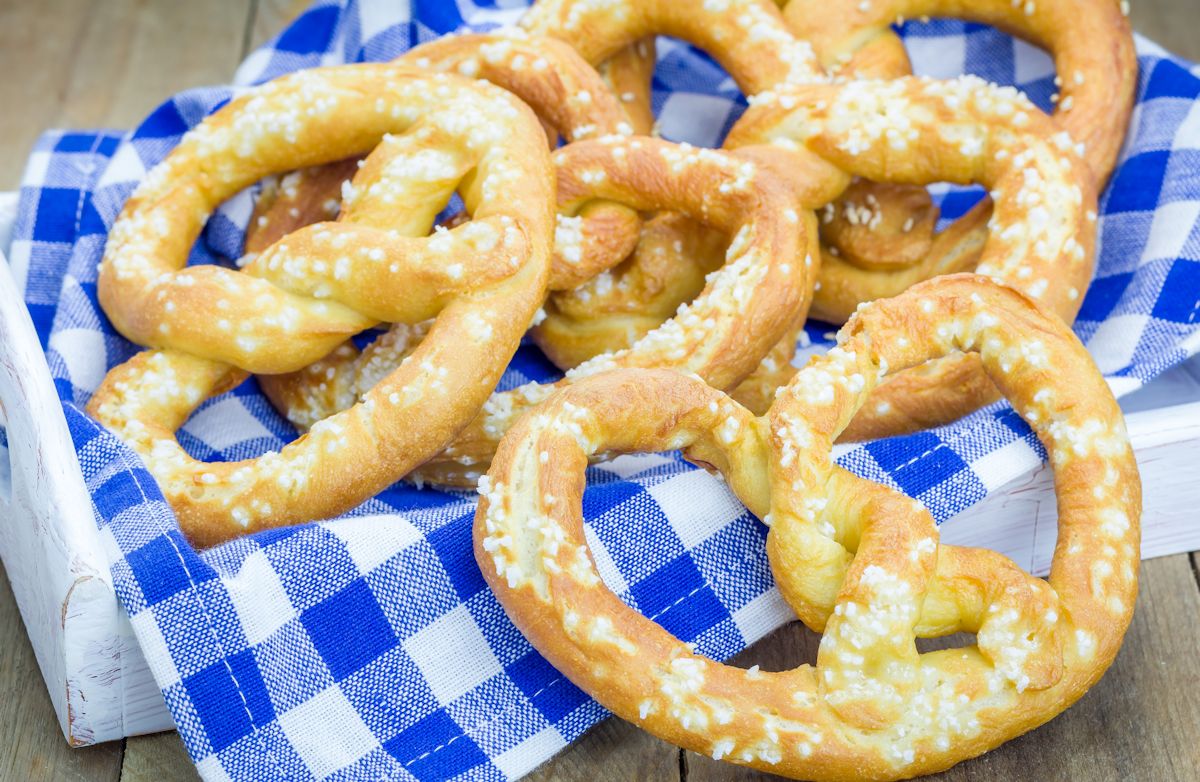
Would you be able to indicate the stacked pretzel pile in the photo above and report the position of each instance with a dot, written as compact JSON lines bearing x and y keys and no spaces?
{"x":670,"y":283}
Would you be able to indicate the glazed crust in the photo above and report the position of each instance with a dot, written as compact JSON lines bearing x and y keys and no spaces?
{"x":857,"y":561}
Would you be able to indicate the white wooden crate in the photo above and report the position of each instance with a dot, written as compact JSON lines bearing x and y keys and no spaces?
{"x":98,"y":679}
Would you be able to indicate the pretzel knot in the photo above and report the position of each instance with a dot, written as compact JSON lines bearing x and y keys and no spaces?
{"x":752,"y":41}
{"x":562,"y":89}
{"x":758,"y":295}
{"x":1039,"y":238}
{"x":1090,"y":40}
{"x":856,"y":560}
{"x":305,"y":294}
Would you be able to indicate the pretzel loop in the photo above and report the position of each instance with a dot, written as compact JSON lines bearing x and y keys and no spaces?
{"x":1090,"y":41}
{"x":313,"y":289}
{"x":857,"y":560}
{"x":751,"y":39}
{"x":760,"y":293}
{"x":563,"y":90}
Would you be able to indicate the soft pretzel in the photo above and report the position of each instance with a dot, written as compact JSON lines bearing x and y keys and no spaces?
{"x":859,"y":562}
{"x":747,"y":37}
{"x":1090,"y":40}
{"x":747,"y":305}
{"x":910,"y":130}
{"x":1041,"y":234}
{"x":758,"y":295}
{"x":750,"y":39}
{"x":1097,"y":75}
{"x":302,"y":296}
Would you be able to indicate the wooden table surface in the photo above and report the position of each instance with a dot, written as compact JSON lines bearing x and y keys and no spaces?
{"x":89,"y":63}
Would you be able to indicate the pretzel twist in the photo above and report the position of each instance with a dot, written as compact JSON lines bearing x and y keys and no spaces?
{"x":1090,"y":40}
{"x":751,"y":40}
{"x":1041,"y":234}
{"x":562,"y":89}
{"x":1092,"y":46}
{"x":759,"y":294}
{"x":572,"y":102}
{"x":858,"y":561}
{"x":305,"y":294}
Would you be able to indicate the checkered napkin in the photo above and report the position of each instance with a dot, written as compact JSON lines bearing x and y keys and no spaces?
{"x":368,"y":647}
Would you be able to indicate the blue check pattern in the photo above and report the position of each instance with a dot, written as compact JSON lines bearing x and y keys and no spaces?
{"x":368,"y":647}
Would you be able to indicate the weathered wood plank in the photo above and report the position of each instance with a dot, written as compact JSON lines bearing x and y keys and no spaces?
{"x":73,"y":63}
{"x":614,"y":749}
{"x":156,"y":758}
{"x":1170,"y":23}
{"x":271,"y":16}
{"x":32,"y":746}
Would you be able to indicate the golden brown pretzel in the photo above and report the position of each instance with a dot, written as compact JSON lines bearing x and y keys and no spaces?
{"x":910,"y":130}
{"x":748,"y":37}
{"x":758,"y":295}
{"x":747,"y":305}
{"x":1097,"y":74}
{"x":860,"y":562}
{"x":751,"y":40}
{"x":1090,"y":40}
{"x":301,"y":297}
{"x":1041,"y":234}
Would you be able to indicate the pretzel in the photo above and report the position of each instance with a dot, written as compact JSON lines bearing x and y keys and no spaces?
{"x":301,"y":297}
{"x":858,"y":561}
{"x":1090,"y":40}
{"x":747,"y":305}
{"x":1041,"y":233}
{"x":759,"y":294}
{"x":750,"y":39}
{"x":1094,"y":55}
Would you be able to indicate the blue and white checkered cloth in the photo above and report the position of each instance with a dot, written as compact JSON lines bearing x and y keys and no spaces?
{"x":368,"y":647}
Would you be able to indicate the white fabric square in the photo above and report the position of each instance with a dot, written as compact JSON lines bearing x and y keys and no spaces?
{"x":36,"y":168}
{"x":224,"y":424}
{"x":939,"y":57}
{"x":125,"y":166}
{"x":253,"y":66}
{"x":1187,"y":136}
{"x":261,"y":603}
{"x":18,"y":262}
{"x":327,"y":733}
{"x":453,"y":655}
{"x":697,"y":505}
{"x":609,"y":573}
{"x":1171,"y":229}
{"x":1116,"y":340}
{"x":696,"y":119}
{"x":84,"y":353}
{"x":632,"y":463}
{"x":1120,"y":386}
{"x":211,"y":770}
{"x":373,"y":540}
{"x":1030,"y":63}
{"x":762,"y":615}
{"x":375,"y":16}
{"x":1000,"y":466}
{"x":521,"y":759}
{"x":154,"y":649}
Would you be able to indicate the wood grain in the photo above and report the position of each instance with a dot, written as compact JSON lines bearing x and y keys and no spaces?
{"x":74,"y":63}
{"x":86,"y":63}
{"x":31,"y":744}
{"x":157,"y":758}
